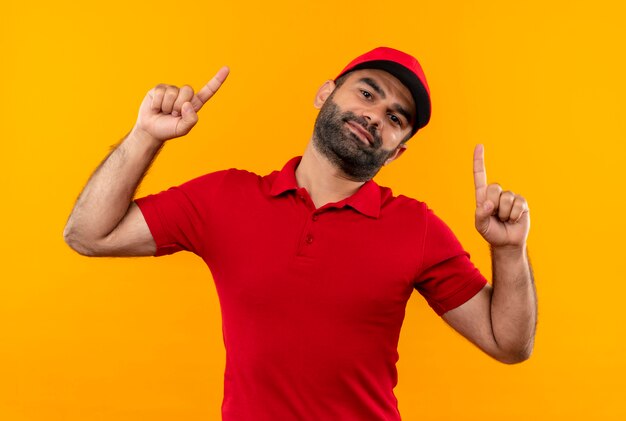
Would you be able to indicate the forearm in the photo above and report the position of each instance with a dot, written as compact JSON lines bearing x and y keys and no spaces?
{"x":106,"y":197}
{"x":513,"y":303}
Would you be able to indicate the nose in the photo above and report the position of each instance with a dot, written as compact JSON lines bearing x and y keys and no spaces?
{"x":375,"y":117}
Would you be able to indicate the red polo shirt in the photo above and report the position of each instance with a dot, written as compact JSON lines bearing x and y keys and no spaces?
{"x":312,"y":299}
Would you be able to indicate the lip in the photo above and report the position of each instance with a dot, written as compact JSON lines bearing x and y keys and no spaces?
{"x":360,"y":132}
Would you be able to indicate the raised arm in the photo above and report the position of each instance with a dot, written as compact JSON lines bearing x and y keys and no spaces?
{"x":104,"y":221}
{"x":501,"y":319}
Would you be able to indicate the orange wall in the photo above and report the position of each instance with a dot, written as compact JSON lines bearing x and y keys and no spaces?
{"x":541,"y":84}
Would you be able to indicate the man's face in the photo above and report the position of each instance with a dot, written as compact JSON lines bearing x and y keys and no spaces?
{"x":362,"y":124}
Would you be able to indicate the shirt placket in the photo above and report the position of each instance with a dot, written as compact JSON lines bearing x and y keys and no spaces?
{"x":308,"y":243}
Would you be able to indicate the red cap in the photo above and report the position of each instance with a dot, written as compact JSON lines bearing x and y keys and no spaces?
{"x":406,"y":69}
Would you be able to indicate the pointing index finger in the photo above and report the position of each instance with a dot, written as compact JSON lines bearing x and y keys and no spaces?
{"x":210,"y":88}
{"x":480,"y":174}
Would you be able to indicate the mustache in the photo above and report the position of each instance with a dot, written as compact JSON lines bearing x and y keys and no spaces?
{"x":362,"y":121}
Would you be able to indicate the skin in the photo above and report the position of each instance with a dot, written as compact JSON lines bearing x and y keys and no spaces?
{"x":500,"y":319}
{"x":324,"y":180}
{"x":353,"y":140}
{"x":105,"y":221}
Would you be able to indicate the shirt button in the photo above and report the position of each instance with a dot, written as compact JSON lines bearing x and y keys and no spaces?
{"x":309,"y":239}
{"x":301,"y":197}
{"x":314,"y":217}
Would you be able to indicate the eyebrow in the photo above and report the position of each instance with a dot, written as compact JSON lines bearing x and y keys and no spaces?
{"x":396,"y":107}
{"x":372,"y":83}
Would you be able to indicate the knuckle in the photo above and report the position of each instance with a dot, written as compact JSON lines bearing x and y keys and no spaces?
{"x":184,"y":95}
{"x":494,"y":187}
{"x":171,"y":91}
{"x":508,"y":196}
{"x":521,"y":203}
{"x":211,"y":86}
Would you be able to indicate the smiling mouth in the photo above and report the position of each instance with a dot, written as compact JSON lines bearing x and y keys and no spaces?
{"x":362,"y":134}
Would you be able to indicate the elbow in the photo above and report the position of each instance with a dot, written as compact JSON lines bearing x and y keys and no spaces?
{"x":515,"y":356}
{"x":77,"y":243}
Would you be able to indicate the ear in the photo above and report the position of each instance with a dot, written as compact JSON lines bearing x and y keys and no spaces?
{"x":323,"y":93}
{"x":396,"y":154}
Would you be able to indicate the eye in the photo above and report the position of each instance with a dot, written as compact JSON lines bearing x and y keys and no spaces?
{"x":366,"y":94}
{"x":394,"y":118}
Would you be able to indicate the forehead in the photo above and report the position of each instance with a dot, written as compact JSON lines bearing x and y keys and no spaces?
{"x":392,"y":86}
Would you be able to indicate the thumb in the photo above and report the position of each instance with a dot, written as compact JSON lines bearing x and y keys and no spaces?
{"x":189,"y":119}
{"x":483,"y":215}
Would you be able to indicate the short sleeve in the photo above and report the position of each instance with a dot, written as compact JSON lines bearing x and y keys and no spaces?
{"x":447,"y":278}
{"x":177,"y":217}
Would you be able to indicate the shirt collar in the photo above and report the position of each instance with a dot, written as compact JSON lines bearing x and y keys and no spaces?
{"x":366,"y":200}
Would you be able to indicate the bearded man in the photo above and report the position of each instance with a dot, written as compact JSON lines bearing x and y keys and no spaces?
{"x":314,"y":264}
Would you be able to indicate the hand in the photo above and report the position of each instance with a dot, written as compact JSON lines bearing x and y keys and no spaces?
{"x":167,"y":112}
{"x":502,"y":217}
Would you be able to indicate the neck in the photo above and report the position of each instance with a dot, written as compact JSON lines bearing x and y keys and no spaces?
{"x":324,"y":182}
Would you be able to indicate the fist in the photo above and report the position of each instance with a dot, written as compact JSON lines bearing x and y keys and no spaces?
{"x":502,"y":217}
{"x":167,"y":111}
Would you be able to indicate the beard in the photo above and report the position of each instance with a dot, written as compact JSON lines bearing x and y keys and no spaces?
{"x":357,"y":160}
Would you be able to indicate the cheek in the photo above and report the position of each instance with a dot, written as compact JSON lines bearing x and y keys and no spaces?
{"x":394,"y":138}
